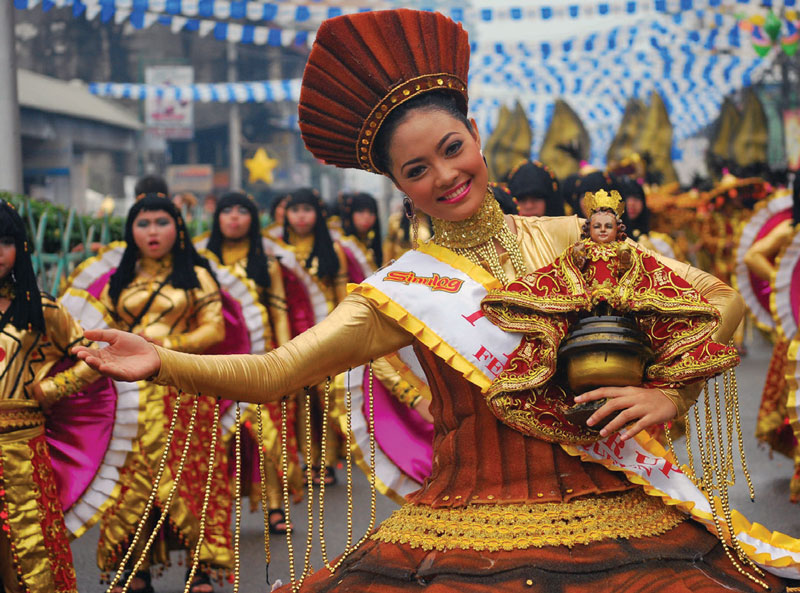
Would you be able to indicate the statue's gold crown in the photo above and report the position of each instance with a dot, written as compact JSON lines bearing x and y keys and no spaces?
{"x":592,"y":202}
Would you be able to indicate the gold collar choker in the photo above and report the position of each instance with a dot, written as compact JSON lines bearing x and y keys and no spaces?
{"x":483,"y":226}
{"x":474,"y":238}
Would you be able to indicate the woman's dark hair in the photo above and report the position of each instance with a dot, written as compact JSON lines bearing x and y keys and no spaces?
{"x":184,"y":255}
{"x":796,"y":198}
{"x":358,"y":202}
{"x":25,"y":311}
{"x":630,"y":188}
{"x":507,"y":202}
{"x":256,"y":258}
{"x":441,"y":100}
{"x":532,"y":179}
{"x":323,"y":251}
{"x":586,"y":228}
{"x":151,"y":184}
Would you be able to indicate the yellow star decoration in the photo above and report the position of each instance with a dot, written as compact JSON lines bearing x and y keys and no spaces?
{"x":261,"y":167}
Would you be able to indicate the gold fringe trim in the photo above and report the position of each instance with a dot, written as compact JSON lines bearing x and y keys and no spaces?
{"x":489,"y":527}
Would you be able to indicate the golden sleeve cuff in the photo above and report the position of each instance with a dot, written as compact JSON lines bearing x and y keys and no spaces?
{"x":354,"y":333}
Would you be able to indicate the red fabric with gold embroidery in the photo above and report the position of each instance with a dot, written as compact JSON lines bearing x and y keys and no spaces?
{"x":51,"y":517}
{"x":677,"y":321}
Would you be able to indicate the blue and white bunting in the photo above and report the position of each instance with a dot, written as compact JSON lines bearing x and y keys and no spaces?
{"x":231,"y":92}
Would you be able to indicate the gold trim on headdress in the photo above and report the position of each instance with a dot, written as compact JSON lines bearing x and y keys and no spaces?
{"x":592,"y":202}
{"x":394,"y":98}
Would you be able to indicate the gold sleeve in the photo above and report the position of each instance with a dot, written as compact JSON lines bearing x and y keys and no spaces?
{"x":762,"y":253}
{"x":354,"y":333}
{"x":209,"y":324}
{"x":728,"y":302}
{"x":342,"y":276}
{"x":277,"y":305}
{"x":64,"y":333}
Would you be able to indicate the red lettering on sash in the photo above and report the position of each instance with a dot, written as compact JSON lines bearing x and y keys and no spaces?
{"x":492,"y":363}
{"x":474,"y":317}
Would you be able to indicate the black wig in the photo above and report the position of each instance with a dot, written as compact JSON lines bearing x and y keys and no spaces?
{"x":532,"y":179}
{"x":358,"y":202}
{"x":25,"y":311}
{"x":630,"y":188}
{"x":184,"y":255}
{"x":256,"y":258}
{"x":323,"y":251}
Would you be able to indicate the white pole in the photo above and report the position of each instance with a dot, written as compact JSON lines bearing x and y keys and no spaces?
{"x":11,"y":155}
{"x":234,"y":127}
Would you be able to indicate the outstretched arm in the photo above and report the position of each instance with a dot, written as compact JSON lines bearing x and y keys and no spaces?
{"x":352,"y":334}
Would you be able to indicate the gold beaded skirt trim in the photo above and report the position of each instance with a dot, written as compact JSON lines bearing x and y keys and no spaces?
{"x":19,"y":414}
{"x":498,"y":527}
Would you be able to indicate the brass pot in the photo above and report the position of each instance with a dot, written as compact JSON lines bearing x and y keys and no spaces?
{"x":607,"y":351}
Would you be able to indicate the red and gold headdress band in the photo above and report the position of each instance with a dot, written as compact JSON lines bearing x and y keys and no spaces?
{"x":365,"y":65}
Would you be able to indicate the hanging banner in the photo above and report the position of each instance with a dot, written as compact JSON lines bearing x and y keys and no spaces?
{"x":169,"y":116}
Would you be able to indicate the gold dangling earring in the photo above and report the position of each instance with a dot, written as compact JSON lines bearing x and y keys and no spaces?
{"x":411,"y":215}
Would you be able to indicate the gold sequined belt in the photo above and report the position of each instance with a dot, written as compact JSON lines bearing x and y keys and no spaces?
{"x":18,"y":414}
{"x":495,"y":527}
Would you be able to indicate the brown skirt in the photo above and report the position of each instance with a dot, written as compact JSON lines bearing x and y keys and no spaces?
{"x":686,"y":558}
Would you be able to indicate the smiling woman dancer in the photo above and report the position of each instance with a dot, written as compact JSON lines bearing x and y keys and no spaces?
{"x":500,"y":511}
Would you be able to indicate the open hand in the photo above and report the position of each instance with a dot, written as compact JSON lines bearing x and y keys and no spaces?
{"x":127,"y":357}
{"x":643,"y":406}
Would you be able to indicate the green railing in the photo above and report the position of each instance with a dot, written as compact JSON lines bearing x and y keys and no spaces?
{"x":61,"y":238}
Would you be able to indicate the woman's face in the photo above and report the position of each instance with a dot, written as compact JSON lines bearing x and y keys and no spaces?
{"x":436,"y":161}
{"x":363,"y":221}
{"x":8,"y":255}
{"x":234,"y":222}
{"x":154,"y":233}
{"x":531,"y":206}
{"x":634,"y":207}
{"x":603,"y":227}
{"x":301,"y":219}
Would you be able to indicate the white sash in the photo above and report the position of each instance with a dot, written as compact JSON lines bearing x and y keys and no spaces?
{"x":447,"y":301}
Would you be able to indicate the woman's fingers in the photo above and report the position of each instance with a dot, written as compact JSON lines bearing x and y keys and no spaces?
{"x":102,"y":335}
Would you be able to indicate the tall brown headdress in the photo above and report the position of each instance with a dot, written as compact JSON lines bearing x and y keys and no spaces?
{"x":362,"y":66}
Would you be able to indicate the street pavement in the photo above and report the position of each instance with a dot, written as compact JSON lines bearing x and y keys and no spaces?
{"x":770,"y":474}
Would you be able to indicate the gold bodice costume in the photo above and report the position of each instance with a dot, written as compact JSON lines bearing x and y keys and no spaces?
{"x":183,"y":320}
{"x":234,"y":255}
{"x":187,"y":320}
{"x":34,"y":545}
{"x":28,"y":357}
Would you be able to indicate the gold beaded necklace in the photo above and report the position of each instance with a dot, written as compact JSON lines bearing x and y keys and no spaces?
{"x":474,"y":237}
